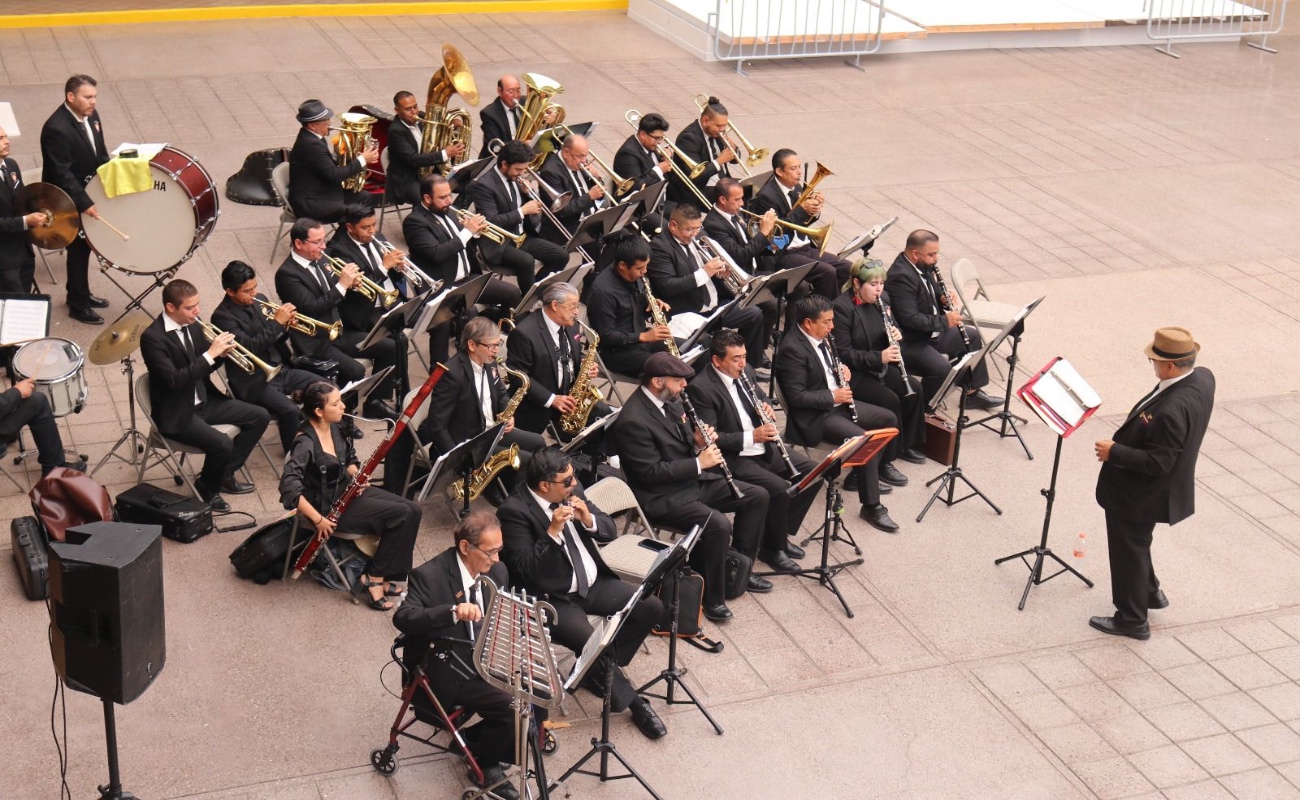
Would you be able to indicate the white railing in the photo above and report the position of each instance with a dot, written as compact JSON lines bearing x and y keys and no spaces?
{"x":750,"y":30}
{"x":1187,"y":20}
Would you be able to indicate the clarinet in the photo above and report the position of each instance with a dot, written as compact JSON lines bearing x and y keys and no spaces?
{"x":947,"y":306}
{"x":747,"y":387}
{"x":888,"y":313}
{"x":839,"y":375}
{"x":708,"y":442}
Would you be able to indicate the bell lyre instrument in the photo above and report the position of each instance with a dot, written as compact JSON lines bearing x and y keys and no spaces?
{"x":302,"y":324}
{"x":239,"y":355}
{"x":838,"y":371}
{"x":949,"y":307}
{"x":709,"y":440}
{"x":767,"y":418}
{"x":353,"y":139}
{"x":538,"y":106}
{"x":366,"y":288}
{"x":359,"y":481}
{"x":752,"y":155}
{"x":890,"y":326}
{"x":817,"y":236}
{"x":658,"y":317}
{"x":418,"y":277}
{"x":443,"y":126}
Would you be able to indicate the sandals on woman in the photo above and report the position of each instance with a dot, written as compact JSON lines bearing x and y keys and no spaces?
{"x":379,"y":603}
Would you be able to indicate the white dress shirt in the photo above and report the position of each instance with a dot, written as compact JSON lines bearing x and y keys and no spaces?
{"x":317,"y":272}
{"x":483,"y":387}
{"x":588,"y":563}
{"x":173,"y":327}
{"x":831,"y":379}
{"x":467,"y":582}
{"x":751,"y":448}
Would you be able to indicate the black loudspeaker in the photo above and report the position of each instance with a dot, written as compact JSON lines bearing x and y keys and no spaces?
{"x":106,"y":609}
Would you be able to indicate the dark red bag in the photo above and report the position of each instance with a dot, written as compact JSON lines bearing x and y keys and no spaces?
{"x":67,"y":498}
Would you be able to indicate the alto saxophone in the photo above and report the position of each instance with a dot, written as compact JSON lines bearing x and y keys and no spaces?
{"x":584,"y":394}
{"x":657,"y":315}
{"x":484,"y":474}
{"x":509,"y":411}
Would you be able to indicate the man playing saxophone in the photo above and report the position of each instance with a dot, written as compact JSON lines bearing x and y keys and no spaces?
{"x":618,"y":304}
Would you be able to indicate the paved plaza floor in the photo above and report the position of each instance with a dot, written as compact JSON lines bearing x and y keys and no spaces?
{"x":1130,"y":189}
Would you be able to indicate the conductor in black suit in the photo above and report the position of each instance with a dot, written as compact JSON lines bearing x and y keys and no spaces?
{"x":566,"y":170}
{"x":931,"y":335}
{"x":703,"y":142}
{"x":500,"y":119}
{"x":72,"y":148}
{"x":17,"y":259}
{"x":779,"y":193}
{"x":497,"y":195}
{"x":315,"y":179}
{"x":676,"y":480}
{"x":441,"y":616}
{"x":1148,"y":475}
{"x":617,"y":308}
{"x":402,"y":178}
{"x":551,"y":531}
{"x":184,"y":402}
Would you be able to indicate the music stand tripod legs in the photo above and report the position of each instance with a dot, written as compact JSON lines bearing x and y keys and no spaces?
{"x":132,"y":434}
{"x":953,"y":474}
{"x":1005,"y":418}
{"x":1042,"y":552}
{"x":672,"y":674}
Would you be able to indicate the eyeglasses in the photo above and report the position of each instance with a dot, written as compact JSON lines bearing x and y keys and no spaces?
{"x":493,"y":553}
{"x":488,"y":345}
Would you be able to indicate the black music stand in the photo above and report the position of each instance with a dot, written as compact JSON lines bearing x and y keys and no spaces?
{"x":365,"y":386}
{"x":571,"y":275}
{"x":393,"y":323}
{"x":959,"y":376}
{"x":461,"y":460}
{"x":587,"y":438}
{"x":468,"y":172}
{"x":645,"y":201}
{"x":754,"y":184}
{"x":866,"y":239}
{"x":448,"y":304}
{"x":853,"y":453}
{"x":1014,"y":329}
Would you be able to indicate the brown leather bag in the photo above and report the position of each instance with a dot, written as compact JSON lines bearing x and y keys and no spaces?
{"x":67,"y":498}
{"x":940,"y":439}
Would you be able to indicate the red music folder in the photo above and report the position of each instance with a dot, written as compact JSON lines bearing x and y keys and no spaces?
{"x":1060,"y":397}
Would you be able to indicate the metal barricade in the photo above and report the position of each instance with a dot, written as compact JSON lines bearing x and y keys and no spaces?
{"x":745,"y":30}
{"x":1186,"y":20}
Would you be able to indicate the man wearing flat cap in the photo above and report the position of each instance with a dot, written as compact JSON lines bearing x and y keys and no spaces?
{"x":1148,"y":474}
{"x":315,"y":180}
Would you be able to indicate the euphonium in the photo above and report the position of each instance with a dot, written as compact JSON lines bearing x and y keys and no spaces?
{"x":585,"y":395}
{"x":240,"y":356}
{"x":443,"y":126}
{"x":734,"y":278}
{"x":657,"y":314}
{"x":354,"y":138}
{"x":367,"y":288}
{"x":536,"y":105}
{"x":811,"y":186}
{"x":484,"y":474}
{"x":304,"y":325}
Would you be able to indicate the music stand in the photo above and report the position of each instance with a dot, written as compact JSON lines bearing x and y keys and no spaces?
{"x":588,"y":436}
{"x":714,"y":318}
{"x":365,"y":386}
{"x":645,"y":200}
{"x":443,"y":307}
{"x":599,"y":224}
{"x":572,"y":275}
{"x":468,"y":172}
{"x":388,"y":324}
{"x":1065,"y":402}
{"x":960,"y":377}
{"x":1014,"y":329}
{"x":864,"y":240}
{"x":754,"y":184}
{"x":459,"y":462}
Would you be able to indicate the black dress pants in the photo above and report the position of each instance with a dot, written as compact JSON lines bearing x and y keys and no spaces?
{"x":78,"y":267}
{"x":606,"y":596}
{"x":35,"y":413}
{"x":520,"y":261}
{"x":222,"y":455}
{"x":784,"y":513}
{"x":839,"y":426}
{"x":910,"y":411}
{"x":275,"y":399}
{"x":504,"y":296}
{"x":827,"y":278}
{"x":492,"y":738}
{"x":930,"y":362}
{"x":395,"y":520}
{"x":1132,"y":577}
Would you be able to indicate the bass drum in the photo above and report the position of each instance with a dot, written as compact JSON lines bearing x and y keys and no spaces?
{"x":58,"y":368}
{"x":163,"y":227}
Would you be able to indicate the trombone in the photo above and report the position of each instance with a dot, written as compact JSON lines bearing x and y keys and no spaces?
{"x":817,"y":236}
{"x":494,"y":233}
{"x":754,"y":155}
{"x":418,"y":277}
{"x":694,"y":168}
{"x":367,"y":288}
{"x":304,"y":325}
{"x":558,"y":199}
{"x":239,"y":355}
{"x":618,"y":184}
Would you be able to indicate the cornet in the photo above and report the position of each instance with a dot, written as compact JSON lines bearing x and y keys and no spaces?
{"x":418,"y":277}
{"x":239,"y":355}
{"x":367,"y":288}
{"x":304,"y":325}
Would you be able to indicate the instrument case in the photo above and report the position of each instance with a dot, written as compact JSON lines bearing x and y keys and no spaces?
{"x":182,"y":518}
{"x":261,"y":556}
{"x":28,"y":540}
{"x":940,"y":439}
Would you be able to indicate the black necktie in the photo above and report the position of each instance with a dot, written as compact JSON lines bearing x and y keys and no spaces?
{"x":826,"y":356}
{"x":575,"y":558}
{"x":514,"y":118}
{"x":188,"y":344}
{"x":566,"y":360}
{"x":319,"y":272}
{"x":740,"y":229}
{"x":370,"y":259}
{"x":673,"y":414}
{"x":473,"y":599}
{"x":747,"y":403}
{"x":793,"y":194}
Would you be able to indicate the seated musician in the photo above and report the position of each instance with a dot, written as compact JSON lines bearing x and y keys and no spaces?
{"x":617,"y":307}
{"x":441,"y":616}
{"x":22,"y":406}
{"x":932,"y":337}
{"x":817,"y":402}
{"x":865,"y":346}
{"x":566,"y":170}
{"x":546,"y":346}
{"x":685,"y":278}
{"x":727,"y":226}
{"x":402,"y":179}
{"x":724,"y":401}
{"x":17,"y":259}
{"x":320,"y":465}
{"x":444,"y":249}
{"x":184,"y":401}
{"x":499,"y":196}
{"x":307,"y":281}
{"x":830,"y":271}
{"x":638,"y":156}
{"x":240,"y":313}
{"x":675,"y":479}
{"x":315,"y":179}
{"x":499,"y":120}
{"x":550,"y":532}
{"x":704,"y":142}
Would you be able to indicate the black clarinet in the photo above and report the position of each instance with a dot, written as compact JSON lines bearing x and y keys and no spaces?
{"x":890,"y":326}
{"x":751,"y":392}
{"x":708,"y":442}
{"x":839,"y":375}
{"x":947,"y":306}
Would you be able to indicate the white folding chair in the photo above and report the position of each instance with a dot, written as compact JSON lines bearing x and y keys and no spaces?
{"x":163,"y":451}
{"x":366,"y":545}
{"x":977,"y":307}
{"x":627,"y":555}
{"x":280,"y":185}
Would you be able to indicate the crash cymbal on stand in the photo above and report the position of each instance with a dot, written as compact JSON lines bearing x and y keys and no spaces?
{"x":62,"y":220}
{"x":120,"y":340}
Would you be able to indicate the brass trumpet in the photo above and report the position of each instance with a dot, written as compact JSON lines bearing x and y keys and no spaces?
{"x":693,"y":168}
{"x":304,"y":325}
{"x":494,"y":233}
{"x":367,"y":288}
{"x":239,"y":355}
{"x":817,"y":236}
{"x":418,"y":277}
{"x":752,"y":155}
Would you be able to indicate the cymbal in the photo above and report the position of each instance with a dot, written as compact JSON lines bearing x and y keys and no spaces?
{"x":63,"y":219}
{"x":120,"y":340}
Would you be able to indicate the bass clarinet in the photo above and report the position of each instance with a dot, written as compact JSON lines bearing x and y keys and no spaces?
{"x":837,"y":368}
{"x":890,"y":326}
{"x":948,"y":306}
{"x":747,"y":386}
{"x":709,"y":441}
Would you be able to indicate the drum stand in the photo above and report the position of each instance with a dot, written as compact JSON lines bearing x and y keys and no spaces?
{"x":137,"y":439}
{"x":159,"y":278}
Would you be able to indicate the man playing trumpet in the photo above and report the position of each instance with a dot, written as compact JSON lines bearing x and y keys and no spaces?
{"x":829,"y":272}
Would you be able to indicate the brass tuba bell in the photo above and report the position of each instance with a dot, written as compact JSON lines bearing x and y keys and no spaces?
{"x":443,"y":126}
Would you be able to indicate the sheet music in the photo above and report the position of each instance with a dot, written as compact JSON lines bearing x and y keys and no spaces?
{"x":1066,"y":393}
{"x":24,"y":320}
{"x":684,"y":324}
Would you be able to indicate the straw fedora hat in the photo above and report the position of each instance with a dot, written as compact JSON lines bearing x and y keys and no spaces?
{"x":1172,"y":344}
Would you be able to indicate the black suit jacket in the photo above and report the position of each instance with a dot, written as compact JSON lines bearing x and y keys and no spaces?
{"x":315,"y":181}
{"x":492,"y":200}
{"x":672,"y":276}
{"x":1151,"y":473}
{"x":402,"y":180}
{"x":632,"y":161}
{"x":264,"y":337}
{"x":555,"y":173}
{"x":657,"y":456}
{"x":16,"y":254}
{"x":425,"y":615}
{"x":616,"y":310}
{"x":917,"y":313}
{"x":433,"y":249}
{"x":173,"y":375}
{"x":357,"y":312}
{"x":773,"y":195}
{"x":454,"y":414}
{"x":694,"y":144}
{"x":752,"y":254}
{"x":713,"y":403}
{"x":860,"y":335}
{"x":296,"y":284}
{"x":532,"y":351}
{"x":809,"y":400}
{"x":538,"y":563}
{"x":493,"y":124}
{"x":68,"y":161}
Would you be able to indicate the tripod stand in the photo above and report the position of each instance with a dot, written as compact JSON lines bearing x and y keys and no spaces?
{"x":132,"y":434}
{"x":1042,"y":551}
{"x":672,"y":674}
{"x":832,"y":528}
{"x":953,"y":474}
{"x":1013,"y":329}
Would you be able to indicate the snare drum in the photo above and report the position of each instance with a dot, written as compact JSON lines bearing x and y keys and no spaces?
{"x":165,"y":225}
{"x":57,"y":366}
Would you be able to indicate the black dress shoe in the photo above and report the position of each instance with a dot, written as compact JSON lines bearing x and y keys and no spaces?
{"x":492,"y":776}
{"x":232,"y":486}
{"x":913,"y":456}
{"x":794,"y":551}
{"x":1158,"y":600}
{"x":79,"y":466}
{"x":1109,"y":625}
{"x":718,"y":613}
{"x":883,"y":487}
{"x":878,"y":517}
{"x":85,"y":315}
{"x":778,"y":560}
{"x":758,"y":585}
{"x":350,"y":430}
{"x":98,"y":302}
{"x":889,"y":474}
{"x":850,"y":483}
{"x":380,"y":409}
{"x":216,"y":502}
{"x":647,"y":721}
{"x":984,"y":400}
{"x":765,"y":363}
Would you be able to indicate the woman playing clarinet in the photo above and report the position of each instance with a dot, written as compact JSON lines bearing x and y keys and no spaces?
{"x":317,"y":471}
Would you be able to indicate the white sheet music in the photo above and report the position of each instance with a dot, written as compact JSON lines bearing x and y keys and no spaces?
{"x":684,"y":324}
{"x":1065,"y":392}
{"x":24,"y":320}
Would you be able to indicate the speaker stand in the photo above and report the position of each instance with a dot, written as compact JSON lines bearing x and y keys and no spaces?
{"x":113,"y":791}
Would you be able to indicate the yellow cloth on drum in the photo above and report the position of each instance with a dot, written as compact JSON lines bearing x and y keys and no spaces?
{"x":125,"y":176}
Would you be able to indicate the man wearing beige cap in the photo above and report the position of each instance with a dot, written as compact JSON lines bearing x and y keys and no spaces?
{"x":1148,"y":475}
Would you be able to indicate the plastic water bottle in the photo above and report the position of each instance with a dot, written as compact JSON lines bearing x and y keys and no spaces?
{"x":1081,"y":546}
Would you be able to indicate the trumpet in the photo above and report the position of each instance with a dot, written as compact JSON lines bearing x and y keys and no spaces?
{"x":367,"y":288}
{"x":752,"y":156}
{"x":693,"y":168}
{"x":734,"y":278}
{"x":618,"y":184}
{"x":304,"y":325}
{"x":418,"y":277}
{"x":492,"y":232}
{"x":239,"y":355}
{"x":817,"y":236}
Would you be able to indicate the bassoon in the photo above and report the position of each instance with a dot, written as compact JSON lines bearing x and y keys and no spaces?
{"x":359,"y":480}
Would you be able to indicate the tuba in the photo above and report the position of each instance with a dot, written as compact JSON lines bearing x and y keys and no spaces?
{"x":584,"y":394}
{"x":353,"y":139}
{"x":443,"y":126}
{"x":536,"y":105}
